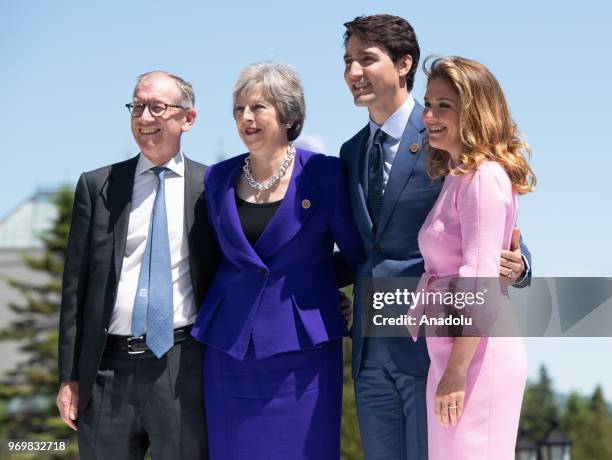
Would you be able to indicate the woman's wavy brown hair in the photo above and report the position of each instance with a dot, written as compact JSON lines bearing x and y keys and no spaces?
{"x":487,"y":130}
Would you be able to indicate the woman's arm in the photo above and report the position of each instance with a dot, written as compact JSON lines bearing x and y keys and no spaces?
{"x":450,"y":394}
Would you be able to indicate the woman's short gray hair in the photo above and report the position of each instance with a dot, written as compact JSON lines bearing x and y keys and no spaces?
{"x":280,"y":85}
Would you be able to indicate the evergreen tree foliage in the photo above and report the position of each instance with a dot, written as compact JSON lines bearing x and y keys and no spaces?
{"x":32,"y":386}
{"x":598,"y":442}
{"x":575,"y":422}
{"x":539,"y":407}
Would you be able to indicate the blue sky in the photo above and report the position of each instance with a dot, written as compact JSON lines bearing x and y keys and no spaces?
{"x":69,"y":67}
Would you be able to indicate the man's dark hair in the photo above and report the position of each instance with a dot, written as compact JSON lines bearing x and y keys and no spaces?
{"x":392,"y":33}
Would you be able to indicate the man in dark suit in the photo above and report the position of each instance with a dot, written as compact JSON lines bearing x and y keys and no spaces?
{"x":140,"y":257}
{"x":391,"y":195}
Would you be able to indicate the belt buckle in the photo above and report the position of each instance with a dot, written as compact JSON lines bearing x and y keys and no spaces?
{"x":136,"y":345}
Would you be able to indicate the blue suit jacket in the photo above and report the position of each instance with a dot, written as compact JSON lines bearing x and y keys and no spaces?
{"x":392,"y":250}
{"x":281,"y":293}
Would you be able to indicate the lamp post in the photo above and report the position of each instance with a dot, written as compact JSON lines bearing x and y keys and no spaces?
{"x":556,"y":445}
{"x":526,"y":449}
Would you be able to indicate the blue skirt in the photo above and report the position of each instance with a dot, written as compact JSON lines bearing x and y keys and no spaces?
{"x":287,"y":406}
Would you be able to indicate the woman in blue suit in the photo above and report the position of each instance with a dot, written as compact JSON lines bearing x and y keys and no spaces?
{"x":271,"y":321}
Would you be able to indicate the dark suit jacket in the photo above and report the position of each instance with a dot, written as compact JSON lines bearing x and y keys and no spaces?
{"x":96,"y":245}
{"x":392,"y":250}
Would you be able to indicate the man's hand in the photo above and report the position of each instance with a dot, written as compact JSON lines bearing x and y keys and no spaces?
{"x":345,"y":308}
{"x":511,"y":263}
{"x":68,"y":402}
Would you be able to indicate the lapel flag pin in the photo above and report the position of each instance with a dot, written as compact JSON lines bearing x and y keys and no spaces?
{"x":306,"y":203}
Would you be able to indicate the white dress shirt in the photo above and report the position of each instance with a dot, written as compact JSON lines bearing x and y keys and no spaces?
{"x":394,"y":128}
{"x":143,"y":196}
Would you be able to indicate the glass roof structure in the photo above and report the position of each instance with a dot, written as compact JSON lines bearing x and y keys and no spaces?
{"x":20,"y":228}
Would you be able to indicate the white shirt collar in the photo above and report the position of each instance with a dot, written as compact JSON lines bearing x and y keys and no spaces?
{"x":176,"y":164}
{"x":394,"y":125}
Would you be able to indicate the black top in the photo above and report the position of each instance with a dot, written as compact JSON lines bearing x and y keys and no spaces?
{"x":254,"y":217}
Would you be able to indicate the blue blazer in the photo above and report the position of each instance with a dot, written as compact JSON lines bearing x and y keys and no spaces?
{"x":393,"y":250}
{"x":282,"y":293}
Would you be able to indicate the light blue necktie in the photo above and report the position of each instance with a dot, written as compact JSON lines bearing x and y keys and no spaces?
{"x":153,"y":304}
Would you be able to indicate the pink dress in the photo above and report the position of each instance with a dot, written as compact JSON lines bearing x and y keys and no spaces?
{"x":463,"y":235}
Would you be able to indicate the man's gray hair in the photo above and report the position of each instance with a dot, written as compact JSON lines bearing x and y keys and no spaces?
{"x":186,"y":96}
{"x":280,"y":85}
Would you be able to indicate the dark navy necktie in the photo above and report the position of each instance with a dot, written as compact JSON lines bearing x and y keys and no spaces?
{"x":153,"y":306}
{"x":376,"y":160}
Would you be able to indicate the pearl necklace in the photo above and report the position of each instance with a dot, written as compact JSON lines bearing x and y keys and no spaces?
{"x":272,"y":180}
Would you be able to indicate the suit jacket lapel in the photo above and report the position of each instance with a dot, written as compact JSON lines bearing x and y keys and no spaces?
{"x":300,"y":202}
{"x":403,"y":164}
{"x":359,"y":181}
{"x":362,"y":162}
{"x":230,"y":233}
{"x":119,"y":200}
{"x":193,"y":191}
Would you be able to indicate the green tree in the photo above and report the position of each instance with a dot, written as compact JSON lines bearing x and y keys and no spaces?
{"x":539,"y":406}
{"x":598,"y":428}
{"x":33,"y":383}
{"x":575,"y":423}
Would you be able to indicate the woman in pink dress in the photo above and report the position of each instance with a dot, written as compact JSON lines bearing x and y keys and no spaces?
{"x":475,"y":384}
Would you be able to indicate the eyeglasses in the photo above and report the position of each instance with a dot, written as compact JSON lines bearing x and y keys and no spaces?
{"x":157,"y":109}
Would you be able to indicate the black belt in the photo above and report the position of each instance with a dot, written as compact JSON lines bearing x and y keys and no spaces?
{"x":137,"y":345}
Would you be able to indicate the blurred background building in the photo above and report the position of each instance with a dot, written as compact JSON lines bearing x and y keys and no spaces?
{"x":19,"y":235}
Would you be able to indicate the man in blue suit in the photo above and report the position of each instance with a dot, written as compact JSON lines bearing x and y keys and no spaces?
{"x":391,"y":194}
